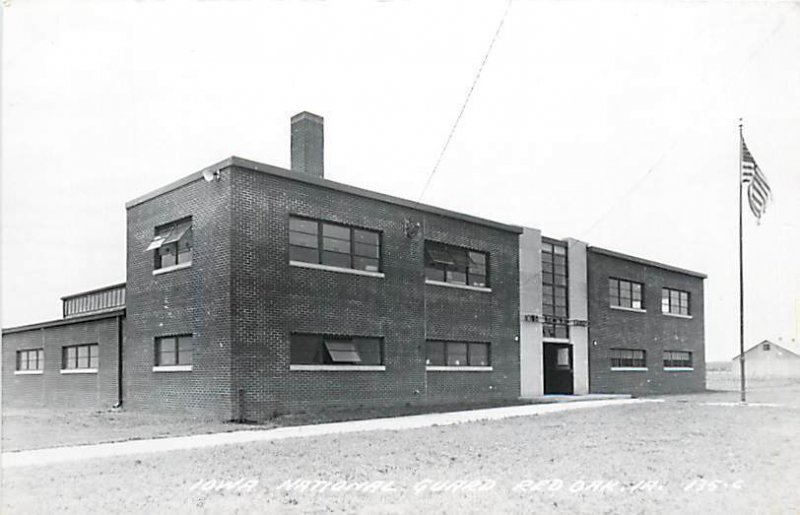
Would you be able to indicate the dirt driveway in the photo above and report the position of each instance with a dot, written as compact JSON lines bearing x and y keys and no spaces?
{"x":692,"y":454}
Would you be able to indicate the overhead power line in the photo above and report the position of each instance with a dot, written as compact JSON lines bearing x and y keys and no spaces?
{"x":466,"y":101}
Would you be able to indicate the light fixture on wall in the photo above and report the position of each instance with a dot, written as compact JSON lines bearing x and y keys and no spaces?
{"x":410,"y":228}
{"x":211,"y":175}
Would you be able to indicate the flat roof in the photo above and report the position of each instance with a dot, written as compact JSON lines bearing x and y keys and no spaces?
{"x":647,"y":262}
{"x":94,"y":290}
{"x":65,"y":321}
{"x":246,"y":164}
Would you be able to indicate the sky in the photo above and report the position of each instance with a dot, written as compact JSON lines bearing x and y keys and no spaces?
{"x":614,"y":122}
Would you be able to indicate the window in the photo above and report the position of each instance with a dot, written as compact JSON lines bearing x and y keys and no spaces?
{"x":628,"y":358}
{"x":562,"y":358}
{"x":317,"y":349}
{"x":30,"y":359}
{"x":766,"y":347}
{"x":674,"y":302}
{"x":457,"y":354}
{"x":172,"y":244}
{"x":325,"y":243}
{"x":174,"y":350}
{"x":625,"y":294}
{"x":80,"y":357}
{"x":554,"y":290}
{"x":455,"y":265}
{"x":677,"y":359}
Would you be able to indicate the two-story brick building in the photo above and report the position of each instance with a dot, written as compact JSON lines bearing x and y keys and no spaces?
{"x":253,"y":290}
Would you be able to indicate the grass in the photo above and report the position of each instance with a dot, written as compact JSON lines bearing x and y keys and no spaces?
{"x":697,"y":457}
{"x":40,"y":428}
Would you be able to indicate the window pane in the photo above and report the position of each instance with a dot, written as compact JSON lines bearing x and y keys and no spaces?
{"x":83,"y":356}
{"x":477,"y":262}
{"x":167,"y":255}
{"x":186,"y":355}
{"x":303,"y":240}
{"x":305,"y":349}
{"x":562,"y":331}
{"x":303,"y":254}
{"x":370,"y":350}
{"x":366,"y":237}
{"x":300,"y":225}
{"x":368,"y":264}
{"x":479,"y":354}
{"x":72,"y":353}
{"x":456,"y":277}
{"x":559,"y":250}
{"x":184,"y":256}
{"x":434,"y":353}
{"x":674,"y":301}
{"x":336,"y":231}
{"x":94,"y":356}
{"x":477,"y":280}
{"x":456,"y":354}
{"x":562,"y":357}
{"x":363,"y":249}
{"x":167,"y":358}
{"x":434,"y":274}
{"x":336,"y":245}
{"x":185,"y":344}
{"x":336,"y":259}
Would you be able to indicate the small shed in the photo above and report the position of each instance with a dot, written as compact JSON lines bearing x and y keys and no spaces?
{"x":768,"y":359}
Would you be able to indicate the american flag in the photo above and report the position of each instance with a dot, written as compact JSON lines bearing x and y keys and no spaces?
{"x":758,"y":192}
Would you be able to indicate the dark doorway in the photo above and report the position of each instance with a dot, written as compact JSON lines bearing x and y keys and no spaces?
{"x":558,"y":368}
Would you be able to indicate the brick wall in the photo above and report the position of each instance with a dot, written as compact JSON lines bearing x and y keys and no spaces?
{"x":652,"y":331}
{"x":52,"y":388}
{"x":194,"y":300}
{"x":272,"y":299}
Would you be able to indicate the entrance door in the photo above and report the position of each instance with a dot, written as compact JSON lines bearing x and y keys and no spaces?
{"x":558,"y":368}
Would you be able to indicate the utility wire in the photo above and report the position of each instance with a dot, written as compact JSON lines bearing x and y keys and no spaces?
{"x":466,"y":101}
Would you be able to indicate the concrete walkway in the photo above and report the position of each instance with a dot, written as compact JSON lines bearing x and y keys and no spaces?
{"x":77,"y":453}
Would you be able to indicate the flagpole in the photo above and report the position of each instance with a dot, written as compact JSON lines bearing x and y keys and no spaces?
{"x":741,"y":272}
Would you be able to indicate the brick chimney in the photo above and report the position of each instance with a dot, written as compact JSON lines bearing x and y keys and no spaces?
{"x":308,"y":144}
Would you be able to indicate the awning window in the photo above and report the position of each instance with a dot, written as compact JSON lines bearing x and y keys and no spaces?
{"x":342,"y":352}
{"x":178,"y":232}
{"x":440,"y":256}
{"x":170,"y":234}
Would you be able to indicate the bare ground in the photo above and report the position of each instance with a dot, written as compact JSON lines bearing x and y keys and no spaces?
{"x":697,"y":453}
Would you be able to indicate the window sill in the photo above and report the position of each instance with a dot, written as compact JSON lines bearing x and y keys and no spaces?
{"x":460,"y":286}
{"x":173,"y":368}
{"x":457,"y":368}
{"x":79,"y":371}
{"x":632,"y":310}
{"x":338,"y":368}
{"x":167,"y":269}
{"x":28,"y":372}
{"x":629,"y":369}
{"x":678,"y":315}
{"x":328,"y":268}
{"x":678,"y":369}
